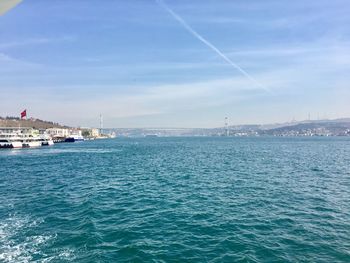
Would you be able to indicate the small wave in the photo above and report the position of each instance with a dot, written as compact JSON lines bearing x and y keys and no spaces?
{"x":61,"y":255}
{"x":84,"y":150}
{"x":14,"y":246}
{"x":42,"y":152}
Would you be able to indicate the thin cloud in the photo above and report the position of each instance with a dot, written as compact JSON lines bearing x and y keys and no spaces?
{"x":11,"y":64}
{"x":276,"y":51}
{"x":35,"y":41}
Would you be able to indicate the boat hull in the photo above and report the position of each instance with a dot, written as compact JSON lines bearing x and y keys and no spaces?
{"x":16,"y":145}
{"x":47,"y":143}
{"x":31,"y":144}
{"x":72,"y":139}
{"x":10,"y":145}
{"x":6,"y":146}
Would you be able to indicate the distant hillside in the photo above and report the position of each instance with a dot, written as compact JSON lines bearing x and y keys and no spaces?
{"x":32,"y":122}
{"x":337,"y":127}
{"x":333,"y":127}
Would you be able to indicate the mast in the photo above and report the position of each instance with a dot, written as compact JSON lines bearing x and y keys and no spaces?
{"x":226,"y":127}
{"x":101,"y":123}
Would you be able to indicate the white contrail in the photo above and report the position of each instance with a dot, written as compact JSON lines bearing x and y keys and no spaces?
{"x":210,"y":45}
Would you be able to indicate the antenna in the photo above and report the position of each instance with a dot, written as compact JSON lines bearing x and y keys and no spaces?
{"x":226,"y":127}
{"x":101,"y":123}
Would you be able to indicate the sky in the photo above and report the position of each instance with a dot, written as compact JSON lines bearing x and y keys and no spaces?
{"x":153,"y":63}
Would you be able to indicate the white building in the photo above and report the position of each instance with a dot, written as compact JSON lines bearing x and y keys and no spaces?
{"x":95,"y":132}
{"x":75,"y":132}
{"x":58,"y":132}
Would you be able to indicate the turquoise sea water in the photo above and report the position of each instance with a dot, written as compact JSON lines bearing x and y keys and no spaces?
{"x":177,"y":200}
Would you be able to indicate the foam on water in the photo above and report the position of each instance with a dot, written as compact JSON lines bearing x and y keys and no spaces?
{"x":40,"y":151}
{"x":16,"y":247}
{"x":10,"y":249}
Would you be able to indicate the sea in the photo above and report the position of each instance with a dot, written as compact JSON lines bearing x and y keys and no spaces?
{"x":195,"y":199}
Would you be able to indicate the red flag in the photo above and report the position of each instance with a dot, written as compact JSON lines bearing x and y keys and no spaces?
{"x":23,"y":114}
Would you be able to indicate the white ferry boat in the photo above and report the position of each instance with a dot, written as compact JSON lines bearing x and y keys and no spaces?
{"x":46,"y":140}
{"x":75,"y":138}
{"x":10,"y":140}
{"x":29,"y":141}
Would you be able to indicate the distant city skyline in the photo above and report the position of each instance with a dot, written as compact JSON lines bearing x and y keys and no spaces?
{"x":175,"y":63}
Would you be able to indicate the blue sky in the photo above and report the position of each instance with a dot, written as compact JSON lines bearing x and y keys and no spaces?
{"x":132,"y":61}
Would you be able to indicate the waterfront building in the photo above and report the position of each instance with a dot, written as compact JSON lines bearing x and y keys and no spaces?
{"x":75,"y":132}
{"x":58,"y":132}
{"x":95,"y":132}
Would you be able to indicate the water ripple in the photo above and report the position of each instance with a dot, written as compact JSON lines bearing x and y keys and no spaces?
{"x":177,"y":200}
